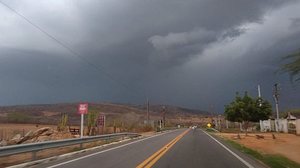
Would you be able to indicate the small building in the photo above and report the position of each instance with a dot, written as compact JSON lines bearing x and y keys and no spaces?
{"x":292,"y":117}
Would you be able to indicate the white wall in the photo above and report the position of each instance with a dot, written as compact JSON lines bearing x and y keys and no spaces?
{"x":298,"y":126}
{"x":281,"y":125}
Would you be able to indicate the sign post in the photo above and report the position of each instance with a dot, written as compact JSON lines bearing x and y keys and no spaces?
{"x":82,"y":109}
{"x":101,"y":123}
{"x":81,"y":125}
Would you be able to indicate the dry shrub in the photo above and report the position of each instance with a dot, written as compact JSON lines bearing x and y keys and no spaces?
{"x":146,"y":128}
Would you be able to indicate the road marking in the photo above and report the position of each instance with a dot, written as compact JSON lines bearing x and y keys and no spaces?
{"x":93,"y":154}
{"x":149,"y":162}
{"x":234,"y":154}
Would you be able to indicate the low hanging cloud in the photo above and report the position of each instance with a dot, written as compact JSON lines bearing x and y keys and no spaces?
{"x":178,"y":52}
{"x":257,"y":37}
{"x":174,"y":40}
{"x":175,"y":49}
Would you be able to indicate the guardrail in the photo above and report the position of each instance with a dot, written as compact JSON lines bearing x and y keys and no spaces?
{"x":35,"y":147}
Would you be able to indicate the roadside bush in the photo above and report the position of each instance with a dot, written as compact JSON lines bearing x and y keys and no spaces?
{"x":17,"y":117}
{"x":62,"y":125}
{"x":146,"y":128}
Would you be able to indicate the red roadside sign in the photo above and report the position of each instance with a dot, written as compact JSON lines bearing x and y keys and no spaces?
{"x":83,"y":108}
{"x":101,"y":120}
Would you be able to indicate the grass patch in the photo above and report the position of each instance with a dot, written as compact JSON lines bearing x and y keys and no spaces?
{"x":210,"y":130}
{"x":167,"y":129}
{"x":75,"y":149}
{"x":274,"y":161}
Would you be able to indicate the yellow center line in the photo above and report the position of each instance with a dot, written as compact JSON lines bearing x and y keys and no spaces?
{"x":157,"y":155}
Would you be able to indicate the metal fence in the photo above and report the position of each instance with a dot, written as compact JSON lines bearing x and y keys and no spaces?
{"x":35,"y":147}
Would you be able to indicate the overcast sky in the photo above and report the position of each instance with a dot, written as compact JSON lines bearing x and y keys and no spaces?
{"x":192,"y":53}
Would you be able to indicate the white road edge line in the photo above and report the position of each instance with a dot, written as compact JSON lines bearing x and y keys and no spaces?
{"x":93,"y":154}
{"x":234,"y":154}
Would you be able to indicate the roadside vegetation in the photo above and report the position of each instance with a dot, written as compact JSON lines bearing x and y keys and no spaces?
{"x":247,"y":109}
{"x":210,"y":130}
{"x":91,"y":121}
{"x":18,"y":117}
{"x":63,"y":122}
{"x":274,"y":161}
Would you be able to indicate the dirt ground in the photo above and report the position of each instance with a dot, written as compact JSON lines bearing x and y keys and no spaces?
{"x":7,"y":131}
{"x":287,"y":145}
{"x":146,"y":134}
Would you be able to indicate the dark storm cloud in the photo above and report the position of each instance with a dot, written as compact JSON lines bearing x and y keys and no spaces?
{"x":194,"y":53}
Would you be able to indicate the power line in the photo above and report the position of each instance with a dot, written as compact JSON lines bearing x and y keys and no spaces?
{"x":78,"y":55}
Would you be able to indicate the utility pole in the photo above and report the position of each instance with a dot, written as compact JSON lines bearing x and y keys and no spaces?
{"x":164,"y":116}
{"x":148,"y":115}
{"x":211,"y":110}
{"x":259,"y":95}
{"x":276,"y":96}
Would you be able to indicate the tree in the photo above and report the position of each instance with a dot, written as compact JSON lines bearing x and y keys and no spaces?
{"x":62,"y":125}
{"x":91,"y":121}
{"x":247,"y":109}
{"x":293,"y":66}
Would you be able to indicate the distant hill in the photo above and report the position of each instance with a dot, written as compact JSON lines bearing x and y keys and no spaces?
{"x":174,"y":109}
{"x":115,"y":113}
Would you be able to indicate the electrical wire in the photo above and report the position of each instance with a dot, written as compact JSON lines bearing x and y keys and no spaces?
{"x":76,"y":54}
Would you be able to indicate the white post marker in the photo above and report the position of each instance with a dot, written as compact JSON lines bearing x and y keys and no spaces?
{"x":81,"y":126}
{"x":82,"y":109}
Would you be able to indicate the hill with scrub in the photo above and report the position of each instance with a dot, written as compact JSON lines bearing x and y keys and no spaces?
{"x":115,"y":113}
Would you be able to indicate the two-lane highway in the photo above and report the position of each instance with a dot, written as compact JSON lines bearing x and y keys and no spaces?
{"x":124,"y":155}
{"x":197,"y":149}
{"x":179,"y":148}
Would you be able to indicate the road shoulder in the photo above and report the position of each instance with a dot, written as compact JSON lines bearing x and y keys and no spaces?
{"x":248,"y":158}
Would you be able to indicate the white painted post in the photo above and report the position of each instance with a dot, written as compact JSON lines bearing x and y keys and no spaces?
{"x":82,"y":109}
{"x":227,"y":124}
{"x":284,"y":123}
{"x":277,"y":125}
{"x":270,"y":125}
{"x":261,"y":126}
{"x":298,"y":126}
{"x":81,"y":126}
{"x":160,"y":125}
{"x":241,"y":128}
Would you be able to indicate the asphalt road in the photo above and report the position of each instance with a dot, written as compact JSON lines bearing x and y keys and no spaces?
{"x":194,"y":149}
{"x":197,"y":149}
